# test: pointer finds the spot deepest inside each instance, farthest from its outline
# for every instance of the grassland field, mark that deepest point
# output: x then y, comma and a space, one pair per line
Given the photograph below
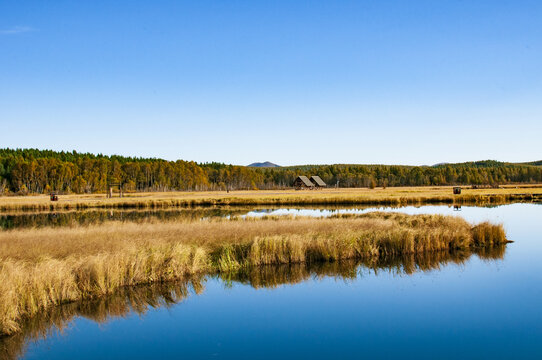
343, 196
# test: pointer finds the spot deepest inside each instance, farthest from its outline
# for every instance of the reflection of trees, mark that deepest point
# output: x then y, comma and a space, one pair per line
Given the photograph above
138, 299
89, 217
77, 218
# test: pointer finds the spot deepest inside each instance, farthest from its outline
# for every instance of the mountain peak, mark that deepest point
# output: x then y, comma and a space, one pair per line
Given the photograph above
263, 164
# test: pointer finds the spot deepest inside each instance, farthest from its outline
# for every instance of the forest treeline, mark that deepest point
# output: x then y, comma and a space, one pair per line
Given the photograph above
25, 171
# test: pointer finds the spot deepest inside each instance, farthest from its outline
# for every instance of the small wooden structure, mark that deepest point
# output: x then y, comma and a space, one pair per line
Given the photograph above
110, 187
457, 190
303, 182
318, 182
53, 196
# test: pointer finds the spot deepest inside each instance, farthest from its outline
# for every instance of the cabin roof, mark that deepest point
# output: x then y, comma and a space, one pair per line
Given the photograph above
305, 180
318, 181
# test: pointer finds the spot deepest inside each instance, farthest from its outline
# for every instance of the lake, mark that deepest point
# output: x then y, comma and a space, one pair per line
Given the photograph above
454, 306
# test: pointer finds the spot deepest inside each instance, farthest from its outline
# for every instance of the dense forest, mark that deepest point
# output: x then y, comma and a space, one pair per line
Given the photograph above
25, 171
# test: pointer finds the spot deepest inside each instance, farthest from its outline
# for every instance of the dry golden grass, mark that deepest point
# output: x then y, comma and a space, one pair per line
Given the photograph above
40, 268
363, 196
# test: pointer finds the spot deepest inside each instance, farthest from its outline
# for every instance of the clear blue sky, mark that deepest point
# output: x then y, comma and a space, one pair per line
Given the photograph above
293, 82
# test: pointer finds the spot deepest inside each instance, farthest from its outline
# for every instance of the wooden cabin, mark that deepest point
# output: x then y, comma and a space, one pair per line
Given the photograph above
303, 182
318, 182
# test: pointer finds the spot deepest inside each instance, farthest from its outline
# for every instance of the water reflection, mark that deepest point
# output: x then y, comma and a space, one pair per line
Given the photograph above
125, 301
272, 276
78, 218
139, 299
88, 217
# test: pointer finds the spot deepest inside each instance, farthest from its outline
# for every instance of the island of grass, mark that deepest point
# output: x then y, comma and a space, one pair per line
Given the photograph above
44, 267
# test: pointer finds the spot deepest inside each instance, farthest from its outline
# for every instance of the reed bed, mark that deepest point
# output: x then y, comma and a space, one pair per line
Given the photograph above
44, 267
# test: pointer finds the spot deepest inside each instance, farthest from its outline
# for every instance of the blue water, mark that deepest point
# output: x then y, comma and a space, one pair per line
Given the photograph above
476, 309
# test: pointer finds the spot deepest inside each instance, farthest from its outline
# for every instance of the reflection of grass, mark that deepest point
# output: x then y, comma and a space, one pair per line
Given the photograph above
389, 196
137, 299
44, 267
118, 304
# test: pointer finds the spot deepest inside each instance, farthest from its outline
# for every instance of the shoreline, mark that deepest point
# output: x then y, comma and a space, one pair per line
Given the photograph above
399, 196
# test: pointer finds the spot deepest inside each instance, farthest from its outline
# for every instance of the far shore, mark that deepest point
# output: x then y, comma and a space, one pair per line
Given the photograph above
394, 196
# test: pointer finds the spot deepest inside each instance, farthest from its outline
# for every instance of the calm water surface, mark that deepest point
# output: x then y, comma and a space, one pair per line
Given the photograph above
466, 307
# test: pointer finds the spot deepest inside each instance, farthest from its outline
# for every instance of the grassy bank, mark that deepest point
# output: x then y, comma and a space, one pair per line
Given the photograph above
44, 267
390, 196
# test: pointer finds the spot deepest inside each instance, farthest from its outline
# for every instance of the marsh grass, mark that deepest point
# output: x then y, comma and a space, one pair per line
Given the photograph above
46, 267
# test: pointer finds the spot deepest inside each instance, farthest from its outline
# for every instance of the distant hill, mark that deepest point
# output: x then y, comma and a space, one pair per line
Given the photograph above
477, 164
263, 164
488, 164
536, 163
